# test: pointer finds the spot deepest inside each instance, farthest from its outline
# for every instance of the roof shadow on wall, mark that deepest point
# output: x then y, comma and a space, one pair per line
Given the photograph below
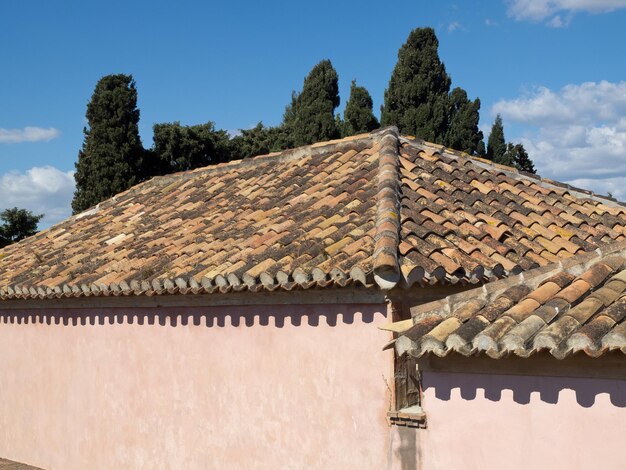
173, 317
525, 389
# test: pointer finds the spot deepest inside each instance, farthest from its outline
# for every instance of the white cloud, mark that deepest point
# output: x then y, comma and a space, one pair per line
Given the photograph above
576, 134
558, 13
614, 186
583, 104
43, 190
558, 22
454, 26
28, 134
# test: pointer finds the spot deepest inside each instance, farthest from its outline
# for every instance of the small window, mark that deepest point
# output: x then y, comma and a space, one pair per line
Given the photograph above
408, 394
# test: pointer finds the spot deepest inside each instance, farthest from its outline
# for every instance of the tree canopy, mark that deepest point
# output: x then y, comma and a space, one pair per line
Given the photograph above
17, 224
259, 140
463, 133
182, 148
310, 117
358, 116
110, 160
496, 144
509, 154
417, 97
517, 154
417, 100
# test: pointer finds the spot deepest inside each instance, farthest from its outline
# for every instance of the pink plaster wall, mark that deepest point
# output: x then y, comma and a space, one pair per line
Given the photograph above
515, 422
254, 387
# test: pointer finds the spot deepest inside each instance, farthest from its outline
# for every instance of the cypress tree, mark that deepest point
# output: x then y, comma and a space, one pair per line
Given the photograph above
261, 139
289, 116
463, 133
496, 145
481, 151
516, 153
339, 123
110, 160
417, 96
285, 132
358, 116
311, 116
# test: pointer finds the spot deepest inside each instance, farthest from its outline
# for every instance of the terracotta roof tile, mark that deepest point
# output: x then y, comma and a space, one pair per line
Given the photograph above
562, 313
377, 207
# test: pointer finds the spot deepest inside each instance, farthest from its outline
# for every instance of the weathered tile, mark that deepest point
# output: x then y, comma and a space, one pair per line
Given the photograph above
560, 316
367, 202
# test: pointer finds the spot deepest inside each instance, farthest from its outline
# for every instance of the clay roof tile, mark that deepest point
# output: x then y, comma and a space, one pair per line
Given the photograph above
552, 314
379, 205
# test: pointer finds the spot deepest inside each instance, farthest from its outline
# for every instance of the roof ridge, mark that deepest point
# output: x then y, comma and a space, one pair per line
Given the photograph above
225, 280
387, 239
315, 149
368, 210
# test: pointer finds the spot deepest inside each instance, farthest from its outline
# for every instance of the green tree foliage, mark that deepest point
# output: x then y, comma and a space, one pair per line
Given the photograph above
289, 116
416, 100
308, 118
17, 224
311, 115
259, 140
358, 116
496, 144
463, 133
110, 160
182, 148
481, 151
499, 151
516, 153
339, 122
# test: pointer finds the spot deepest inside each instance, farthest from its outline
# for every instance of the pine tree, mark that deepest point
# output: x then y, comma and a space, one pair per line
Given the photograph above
110, 160
358, 116
463, 133
417, 97
496, 144
516, 153
182, 148
311, 116
18, 224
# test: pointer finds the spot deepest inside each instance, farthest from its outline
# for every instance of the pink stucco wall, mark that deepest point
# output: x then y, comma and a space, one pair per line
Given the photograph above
226, 387
516, 422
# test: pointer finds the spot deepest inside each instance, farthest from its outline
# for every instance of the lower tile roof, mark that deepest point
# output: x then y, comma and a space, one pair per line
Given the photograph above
578, 305
375, 210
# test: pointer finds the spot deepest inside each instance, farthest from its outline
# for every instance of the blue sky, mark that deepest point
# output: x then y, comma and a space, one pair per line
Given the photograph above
554, 69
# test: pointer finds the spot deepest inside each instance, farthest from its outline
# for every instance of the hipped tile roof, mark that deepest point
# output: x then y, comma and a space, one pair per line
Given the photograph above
374, 210
578, 305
